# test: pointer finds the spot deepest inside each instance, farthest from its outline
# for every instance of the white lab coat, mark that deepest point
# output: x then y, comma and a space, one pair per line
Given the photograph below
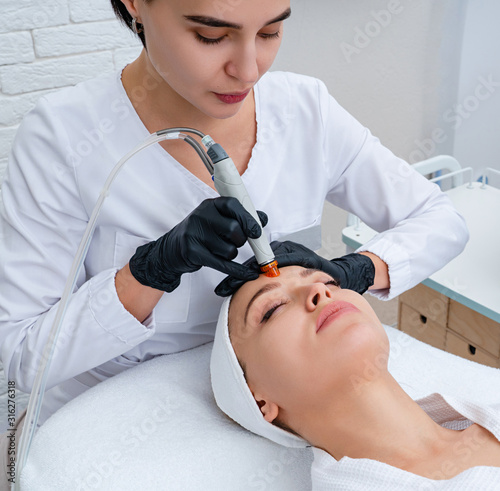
308, 149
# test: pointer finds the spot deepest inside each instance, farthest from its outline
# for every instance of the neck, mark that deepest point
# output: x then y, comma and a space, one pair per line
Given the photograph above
379, 421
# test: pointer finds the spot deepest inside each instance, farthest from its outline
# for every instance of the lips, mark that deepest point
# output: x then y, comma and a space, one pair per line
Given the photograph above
232, 98
333, 311
245, 92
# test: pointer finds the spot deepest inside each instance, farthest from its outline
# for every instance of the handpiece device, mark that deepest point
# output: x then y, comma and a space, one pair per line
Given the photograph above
228, 182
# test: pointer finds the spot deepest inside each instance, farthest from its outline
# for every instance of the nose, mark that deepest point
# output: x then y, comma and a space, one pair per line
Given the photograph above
243, 64
317, 292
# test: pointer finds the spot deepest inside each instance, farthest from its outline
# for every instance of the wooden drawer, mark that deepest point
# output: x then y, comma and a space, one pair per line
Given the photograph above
481, 331
428, 302
459, 346
418, 326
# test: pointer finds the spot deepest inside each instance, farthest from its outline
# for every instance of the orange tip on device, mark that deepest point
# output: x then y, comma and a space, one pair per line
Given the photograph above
271, 270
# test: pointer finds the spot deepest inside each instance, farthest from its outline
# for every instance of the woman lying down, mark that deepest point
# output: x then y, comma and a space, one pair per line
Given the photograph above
290, 362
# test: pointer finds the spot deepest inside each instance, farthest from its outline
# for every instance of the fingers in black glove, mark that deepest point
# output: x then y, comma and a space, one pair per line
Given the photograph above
286, 253
353, 271
209, 236
263, 218
242, 226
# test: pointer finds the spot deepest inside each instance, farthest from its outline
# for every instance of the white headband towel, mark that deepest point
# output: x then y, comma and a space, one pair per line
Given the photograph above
232, 393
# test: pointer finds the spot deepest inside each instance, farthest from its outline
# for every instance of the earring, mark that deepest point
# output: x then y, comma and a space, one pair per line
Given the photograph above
137, 27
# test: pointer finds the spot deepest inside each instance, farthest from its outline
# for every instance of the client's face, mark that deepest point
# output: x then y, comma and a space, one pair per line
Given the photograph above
301, 339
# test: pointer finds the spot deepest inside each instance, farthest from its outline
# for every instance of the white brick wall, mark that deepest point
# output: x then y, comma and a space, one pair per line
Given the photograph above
3, 165
13, 108
53, 73
80, 38
6, 137
24, 15
16, 47
52, 44
90, 10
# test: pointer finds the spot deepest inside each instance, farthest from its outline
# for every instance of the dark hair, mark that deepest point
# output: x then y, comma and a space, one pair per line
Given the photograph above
123, 14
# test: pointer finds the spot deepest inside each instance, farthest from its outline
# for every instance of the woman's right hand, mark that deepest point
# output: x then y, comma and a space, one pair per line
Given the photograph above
209, 236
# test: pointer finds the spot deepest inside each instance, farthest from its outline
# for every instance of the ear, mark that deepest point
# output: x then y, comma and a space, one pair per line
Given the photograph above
269, 409
131, 6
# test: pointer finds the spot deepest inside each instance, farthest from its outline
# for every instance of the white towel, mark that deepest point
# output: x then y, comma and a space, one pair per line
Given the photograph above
157, 427
231, 390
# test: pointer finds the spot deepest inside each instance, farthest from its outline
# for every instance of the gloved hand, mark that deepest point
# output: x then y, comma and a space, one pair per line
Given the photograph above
209, 236
353, 271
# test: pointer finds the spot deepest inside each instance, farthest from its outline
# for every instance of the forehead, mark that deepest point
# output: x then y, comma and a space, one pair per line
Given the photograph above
251, 287
223, 9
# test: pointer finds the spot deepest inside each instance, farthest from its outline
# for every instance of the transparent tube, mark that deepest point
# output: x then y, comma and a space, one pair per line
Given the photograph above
36, 397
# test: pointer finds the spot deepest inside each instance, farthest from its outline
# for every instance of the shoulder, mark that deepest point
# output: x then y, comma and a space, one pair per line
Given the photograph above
90, 91
62, 116
68, 121
77, 106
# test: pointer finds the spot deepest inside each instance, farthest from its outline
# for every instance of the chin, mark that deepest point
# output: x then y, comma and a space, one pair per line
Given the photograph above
226, 111
220, 112
226, 116
364, 341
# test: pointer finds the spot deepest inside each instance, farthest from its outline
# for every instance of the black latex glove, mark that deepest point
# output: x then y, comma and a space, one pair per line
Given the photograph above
209, 236
353, 271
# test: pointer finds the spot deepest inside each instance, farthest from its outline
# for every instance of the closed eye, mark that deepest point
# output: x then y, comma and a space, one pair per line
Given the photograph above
208, 40
271, 311
273, 35
333, 282
213, 41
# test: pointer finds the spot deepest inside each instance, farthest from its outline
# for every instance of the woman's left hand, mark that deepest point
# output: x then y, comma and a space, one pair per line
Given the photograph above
353, 271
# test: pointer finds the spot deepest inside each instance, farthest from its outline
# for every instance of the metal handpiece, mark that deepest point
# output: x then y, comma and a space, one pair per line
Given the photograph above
228, 182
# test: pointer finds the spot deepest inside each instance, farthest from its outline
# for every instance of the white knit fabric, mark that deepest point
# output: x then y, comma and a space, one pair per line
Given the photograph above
361, 474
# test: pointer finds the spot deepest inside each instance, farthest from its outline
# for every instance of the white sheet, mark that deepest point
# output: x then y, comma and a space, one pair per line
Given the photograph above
157, 427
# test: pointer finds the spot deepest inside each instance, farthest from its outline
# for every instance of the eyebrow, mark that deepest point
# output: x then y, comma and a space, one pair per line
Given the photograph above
309, 272
213, 22
272, 286
265, 289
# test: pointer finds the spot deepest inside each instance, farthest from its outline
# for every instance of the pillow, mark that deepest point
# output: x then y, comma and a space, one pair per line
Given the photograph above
157, 427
